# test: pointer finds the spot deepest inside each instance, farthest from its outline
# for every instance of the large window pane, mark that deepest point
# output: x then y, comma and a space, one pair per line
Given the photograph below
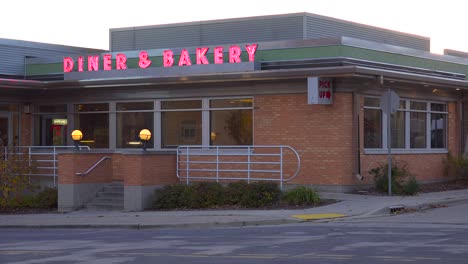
372, 128
129, 126
398, 129
231, 127
438, 130
418, 130
95, 128
181, 128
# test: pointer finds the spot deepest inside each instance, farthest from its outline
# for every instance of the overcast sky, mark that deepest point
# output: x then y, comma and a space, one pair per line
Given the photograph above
86, 23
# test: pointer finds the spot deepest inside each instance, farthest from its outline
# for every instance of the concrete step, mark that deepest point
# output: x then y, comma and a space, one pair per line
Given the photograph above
105, 207
111, 197
110, 194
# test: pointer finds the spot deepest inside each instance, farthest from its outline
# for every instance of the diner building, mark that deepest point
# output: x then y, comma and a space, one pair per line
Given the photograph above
297, 98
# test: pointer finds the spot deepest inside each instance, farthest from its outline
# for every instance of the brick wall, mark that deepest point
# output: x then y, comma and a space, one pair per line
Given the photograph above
25, 135
322, 134
71, 163
146, 169
134, 169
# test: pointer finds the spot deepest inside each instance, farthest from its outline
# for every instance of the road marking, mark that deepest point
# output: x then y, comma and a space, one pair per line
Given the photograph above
19, 252
317, 216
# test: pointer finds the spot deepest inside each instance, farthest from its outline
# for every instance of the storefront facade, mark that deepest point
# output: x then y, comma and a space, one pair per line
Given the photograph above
320, 96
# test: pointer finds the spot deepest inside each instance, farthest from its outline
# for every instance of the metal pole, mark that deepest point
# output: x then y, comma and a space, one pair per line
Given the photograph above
389, 142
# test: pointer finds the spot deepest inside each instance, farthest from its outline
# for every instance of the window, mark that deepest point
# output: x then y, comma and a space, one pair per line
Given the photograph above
416, 125
372, 123
229, 123
93, 121
131, 119
181, 123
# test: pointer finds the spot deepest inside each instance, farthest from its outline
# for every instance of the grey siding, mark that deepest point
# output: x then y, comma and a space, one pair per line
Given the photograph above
14, 52
320, 27
207, 33
255, 29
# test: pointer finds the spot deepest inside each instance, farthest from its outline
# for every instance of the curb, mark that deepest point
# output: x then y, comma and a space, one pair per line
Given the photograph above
157, 226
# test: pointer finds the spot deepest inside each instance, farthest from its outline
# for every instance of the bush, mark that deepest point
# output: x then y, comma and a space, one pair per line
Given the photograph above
402, 181
301, 196
261, 194
169, 196
46, 199
14, 180
212, 194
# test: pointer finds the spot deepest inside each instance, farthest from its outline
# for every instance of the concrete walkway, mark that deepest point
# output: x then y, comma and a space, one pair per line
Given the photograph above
349, 205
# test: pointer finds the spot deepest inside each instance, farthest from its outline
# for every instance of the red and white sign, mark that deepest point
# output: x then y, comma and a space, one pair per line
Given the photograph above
319, 90
168, 57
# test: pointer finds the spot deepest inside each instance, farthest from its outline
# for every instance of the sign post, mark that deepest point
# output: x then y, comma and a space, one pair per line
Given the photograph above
389, 102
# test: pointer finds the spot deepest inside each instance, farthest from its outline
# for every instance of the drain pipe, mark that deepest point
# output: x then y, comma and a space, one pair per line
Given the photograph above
357, 109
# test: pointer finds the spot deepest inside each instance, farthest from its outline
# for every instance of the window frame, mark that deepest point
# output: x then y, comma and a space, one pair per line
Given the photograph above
407, 149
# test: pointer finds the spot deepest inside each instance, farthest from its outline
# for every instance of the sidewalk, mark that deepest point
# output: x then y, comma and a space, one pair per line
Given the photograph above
349, 205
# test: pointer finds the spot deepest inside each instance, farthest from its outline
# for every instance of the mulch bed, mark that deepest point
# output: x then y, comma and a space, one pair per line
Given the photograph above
426, 188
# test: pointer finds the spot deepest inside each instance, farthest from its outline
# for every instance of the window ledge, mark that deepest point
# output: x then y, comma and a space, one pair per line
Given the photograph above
405, 151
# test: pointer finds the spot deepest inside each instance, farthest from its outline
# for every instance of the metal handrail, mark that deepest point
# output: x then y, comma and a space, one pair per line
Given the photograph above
93, 167
241, 151
46, 156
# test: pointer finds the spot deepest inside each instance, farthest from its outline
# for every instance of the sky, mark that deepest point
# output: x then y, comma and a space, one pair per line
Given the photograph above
86, 23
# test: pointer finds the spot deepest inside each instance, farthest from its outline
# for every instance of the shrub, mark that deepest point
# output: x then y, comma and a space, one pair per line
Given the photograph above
169, 196
14, 180
212, 194
235, 193
402, 181
411, 187
260, 194
301, 196
46, 199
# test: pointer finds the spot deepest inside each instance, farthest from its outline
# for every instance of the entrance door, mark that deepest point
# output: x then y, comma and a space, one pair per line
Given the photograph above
4, 130
54, 130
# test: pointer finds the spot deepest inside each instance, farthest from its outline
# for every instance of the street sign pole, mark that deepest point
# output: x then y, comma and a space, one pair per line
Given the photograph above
389, 103
389, 142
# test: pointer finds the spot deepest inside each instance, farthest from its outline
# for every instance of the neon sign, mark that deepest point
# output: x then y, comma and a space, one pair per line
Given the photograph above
168, 58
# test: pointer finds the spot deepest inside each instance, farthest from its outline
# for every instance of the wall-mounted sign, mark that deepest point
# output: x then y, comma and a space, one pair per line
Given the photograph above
319, 90
169, 59
59, 122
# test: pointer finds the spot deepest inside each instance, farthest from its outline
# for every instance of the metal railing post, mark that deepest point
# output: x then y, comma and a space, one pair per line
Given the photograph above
188, 164
248, 164
281, 167
54, 162
217, 163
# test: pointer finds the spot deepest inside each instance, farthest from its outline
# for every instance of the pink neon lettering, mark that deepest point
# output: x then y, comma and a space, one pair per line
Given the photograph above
120, 62
184, 58
80, 63
67, 64
144, 61
251, 49
201, 56
168, 58
107, 62
234, 54
218, 55
93, 63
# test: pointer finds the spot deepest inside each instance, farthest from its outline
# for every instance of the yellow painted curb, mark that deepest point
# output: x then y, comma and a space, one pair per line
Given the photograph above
317, 216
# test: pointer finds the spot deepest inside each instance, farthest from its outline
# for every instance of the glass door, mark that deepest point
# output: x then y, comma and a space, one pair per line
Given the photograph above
54, 130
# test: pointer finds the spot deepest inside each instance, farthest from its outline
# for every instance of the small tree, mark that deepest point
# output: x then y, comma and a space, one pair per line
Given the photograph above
14, 179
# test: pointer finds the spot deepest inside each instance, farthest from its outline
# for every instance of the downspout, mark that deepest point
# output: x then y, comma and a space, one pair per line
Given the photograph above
356, 121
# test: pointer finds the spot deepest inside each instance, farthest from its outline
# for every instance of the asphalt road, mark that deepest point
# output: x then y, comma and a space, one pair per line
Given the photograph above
300, 243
